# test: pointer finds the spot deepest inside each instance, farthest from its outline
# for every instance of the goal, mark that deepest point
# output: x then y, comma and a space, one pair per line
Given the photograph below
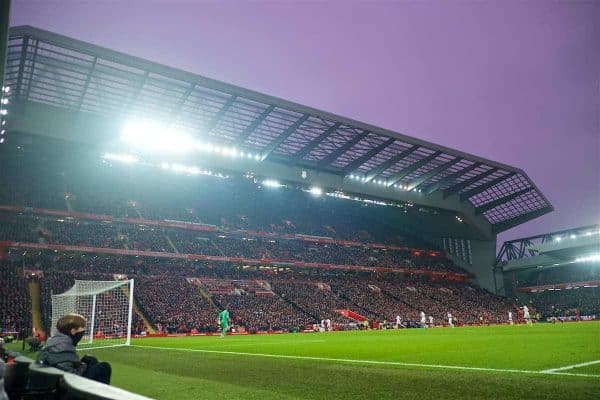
107, 307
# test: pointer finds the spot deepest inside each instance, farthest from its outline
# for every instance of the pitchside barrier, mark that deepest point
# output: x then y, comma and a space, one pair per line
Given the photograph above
27, 379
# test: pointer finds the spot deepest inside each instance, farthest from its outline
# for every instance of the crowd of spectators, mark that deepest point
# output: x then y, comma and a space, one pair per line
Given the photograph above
263, 312
41, 177
270, 298
35, 229
582, 301
315, 298
15, 304
174, 305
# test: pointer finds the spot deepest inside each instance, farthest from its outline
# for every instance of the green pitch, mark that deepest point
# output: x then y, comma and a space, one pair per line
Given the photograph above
500, 362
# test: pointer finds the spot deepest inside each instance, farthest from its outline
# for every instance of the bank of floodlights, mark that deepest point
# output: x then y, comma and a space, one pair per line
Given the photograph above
4, 95
153, 137
383, 182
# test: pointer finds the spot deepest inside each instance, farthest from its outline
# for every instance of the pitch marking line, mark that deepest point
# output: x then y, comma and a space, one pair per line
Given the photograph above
218, 345
585, 364
350, 361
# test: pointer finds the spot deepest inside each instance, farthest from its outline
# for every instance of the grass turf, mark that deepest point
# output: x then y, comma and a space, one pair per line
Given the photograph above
212, 368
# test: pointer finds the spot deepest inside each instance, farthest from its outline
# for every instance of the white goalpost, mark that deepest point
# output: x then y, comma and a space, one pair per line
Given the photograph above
106, 305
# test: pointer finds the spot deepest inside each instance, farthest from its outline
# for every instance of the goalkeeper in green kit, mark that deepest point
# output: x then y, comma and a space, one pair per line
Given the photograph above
224, 322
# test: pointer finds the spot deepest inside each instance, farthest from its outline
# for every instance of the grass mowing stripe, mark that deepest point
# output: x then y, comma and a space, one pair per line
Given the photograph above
585, 364
345, 360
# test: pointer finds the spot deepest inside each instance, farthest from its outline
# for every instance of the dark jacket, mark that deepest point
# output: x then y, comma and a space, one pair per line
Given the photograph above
60, 353
3, 395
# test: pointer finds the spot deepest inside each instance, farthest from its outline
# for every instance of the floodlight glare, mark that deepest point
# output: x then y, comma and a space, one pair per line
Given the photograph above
156, 138
271, 183
124, 158
3, 112
316, 191
590, 258
6, 89
4, 101
1, 140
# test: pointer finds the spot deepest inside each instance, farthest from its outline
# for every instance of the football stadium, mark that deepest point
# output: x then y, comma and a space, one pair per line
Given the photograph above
223, 243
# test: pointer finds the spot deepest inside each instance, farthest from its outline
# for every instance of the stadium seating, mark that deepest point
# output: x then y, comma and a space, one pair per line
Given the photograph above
15, 305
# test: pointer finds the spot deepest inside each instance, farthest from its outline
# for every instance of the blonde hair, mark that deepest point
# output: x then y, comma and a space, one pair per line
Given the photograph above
70, 321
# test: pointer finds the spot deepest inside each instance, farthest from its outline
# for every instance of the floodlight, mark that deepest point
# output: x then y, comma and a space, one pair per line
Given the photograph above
3, 131
316, 191
157, 138
257, 157
573, 236
271, 183
3, 112
6, 89
1, 140
4, 101
557, 239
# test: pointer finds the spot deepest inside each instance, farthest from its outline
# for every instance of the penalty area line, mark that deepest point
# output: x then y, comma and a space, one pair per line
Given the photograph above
369, 362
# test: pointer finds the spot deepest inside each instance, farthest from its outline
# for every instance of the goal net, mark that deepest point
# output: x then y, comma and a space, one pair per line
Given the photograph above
107, 307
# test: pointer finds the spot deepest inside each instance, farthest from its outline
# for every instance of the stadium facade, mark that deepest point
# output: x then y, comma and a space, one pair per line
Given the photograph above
70, 90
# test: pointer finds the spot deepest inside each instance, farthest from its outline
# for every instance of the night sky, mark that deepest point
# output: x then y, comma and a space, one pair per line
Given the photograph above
516, 82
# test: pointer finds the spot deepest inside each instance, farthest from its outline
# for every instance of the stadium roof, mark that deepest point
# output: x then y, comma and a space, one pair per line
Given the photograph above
51, 69
550, 249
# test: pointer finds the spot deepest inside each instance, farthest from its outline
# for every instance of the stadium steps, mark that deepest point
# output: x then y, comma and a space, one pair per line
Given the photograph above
204, 293
123, 238
172, 244
218, 248
69, 204
33, 286
296, 306
349, 301
352, 315
137, 211
138, 311
398, 299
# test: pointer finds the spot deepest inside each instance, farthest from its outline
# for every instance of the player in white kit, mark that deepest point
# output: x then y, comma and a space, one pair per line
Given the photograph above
431, 320
526, 316
450, 321
510, 318
398, 321
423, 320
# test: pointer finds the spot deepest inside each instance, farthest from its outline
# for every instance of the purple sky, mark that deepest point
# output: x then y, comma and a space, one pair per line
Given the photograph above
516, 82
